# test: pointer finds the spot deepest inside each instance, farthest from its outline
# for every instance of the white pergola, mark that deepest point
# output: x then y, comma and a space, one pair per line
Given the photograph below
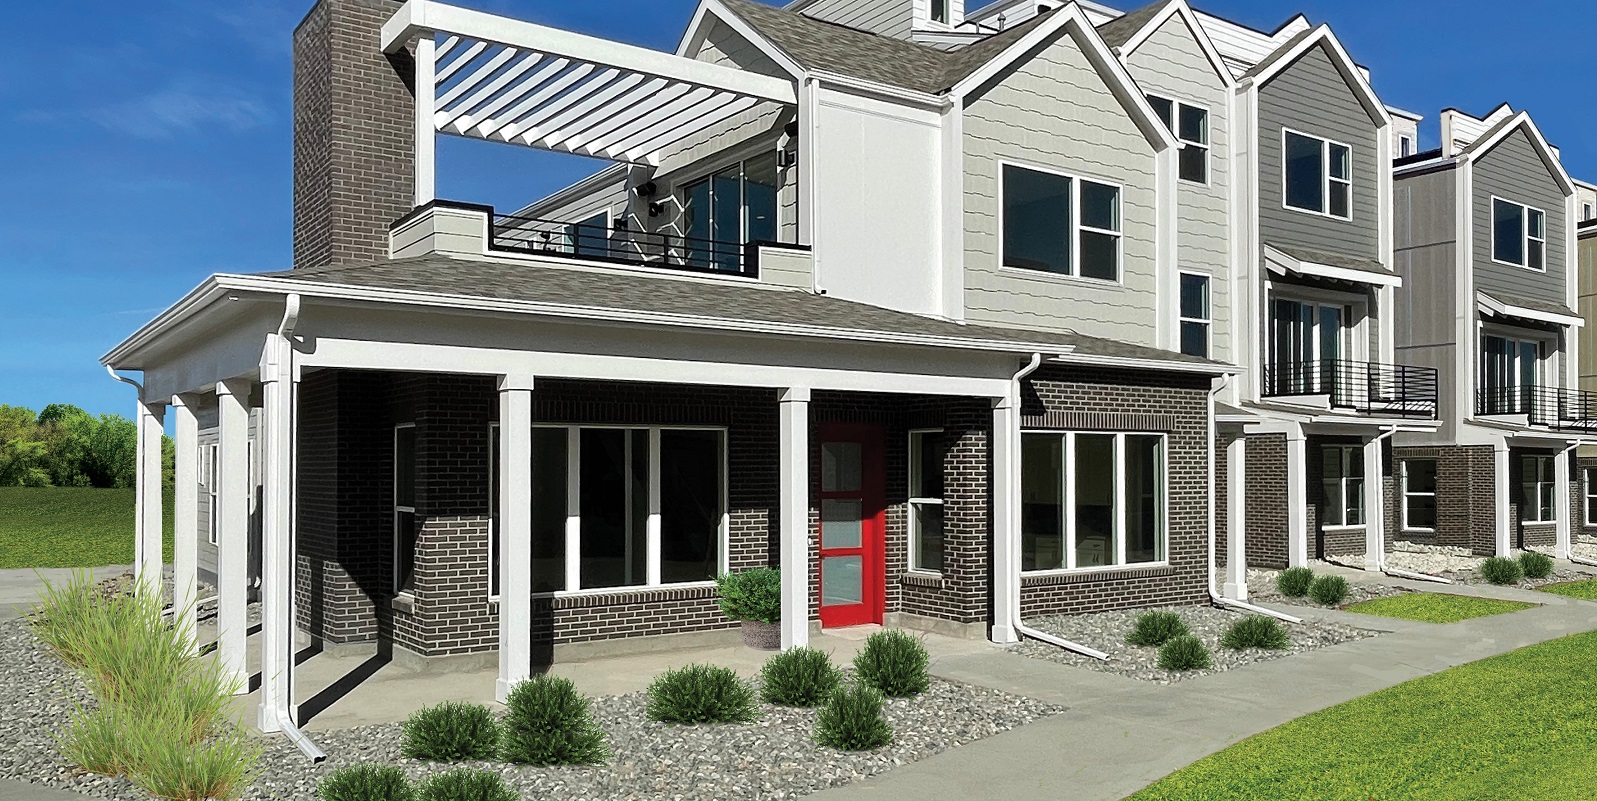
488, 77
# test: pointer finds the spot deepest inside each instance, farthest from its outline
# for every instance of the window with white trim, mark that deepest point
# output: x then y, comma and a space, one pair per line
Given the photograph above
1091, 499
1591, 496
404, 507
1316, 175
1190, 125
1587, 212
1519, 235
939, 11
1405, 146
1536, 489
1342, 479
926, 452
1196, 320
210, 473
1419, 495
1060, 224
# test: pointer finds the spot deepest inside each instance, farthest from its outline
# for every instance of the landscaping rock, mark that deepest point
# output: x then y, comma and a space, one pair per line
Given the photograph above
1261, 589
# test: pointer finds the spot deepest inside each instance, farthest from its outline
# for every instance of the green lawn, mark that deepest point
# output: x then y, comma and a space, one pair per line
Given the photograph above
1429, 607
1585, 590
1522, 725
70, 527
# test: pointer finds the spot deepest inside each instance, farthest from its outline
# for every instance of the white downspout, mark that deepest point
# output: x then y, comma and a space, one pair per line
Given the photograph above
1014, 597
1569, 540
1215, 596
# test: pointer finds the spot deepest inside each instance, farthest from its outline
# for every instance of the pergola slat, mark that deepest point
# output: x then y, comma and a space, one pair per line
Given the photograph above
591, 141
501, 124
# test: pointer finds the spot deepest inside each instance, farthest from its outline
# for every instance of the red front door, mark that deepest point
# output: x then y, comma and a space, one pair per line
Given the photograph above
852, 500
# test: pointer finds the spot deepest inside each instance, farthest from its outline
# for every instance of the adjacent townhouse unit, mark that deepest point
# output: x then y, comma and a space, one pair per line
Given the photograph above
1486, 228
1584, 528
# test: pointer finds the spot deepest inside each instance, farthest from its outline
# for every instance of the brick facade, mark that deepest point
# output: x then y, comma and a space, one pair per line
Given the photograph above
1466, 492
1266, 517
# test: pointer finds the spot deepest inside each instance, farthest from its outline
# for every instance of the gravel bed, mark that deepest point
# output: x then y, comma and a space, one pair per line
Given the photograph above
1261, 588
773, 758
1107, 631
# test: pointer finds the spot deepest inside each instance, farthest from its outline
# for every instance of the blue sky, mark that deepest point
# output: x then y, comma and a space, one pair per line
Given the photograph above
148, 143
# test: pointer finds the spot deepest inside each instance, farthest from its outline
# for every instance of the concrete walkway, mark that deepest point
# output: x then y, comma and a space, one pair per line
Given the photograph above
19, 589
1119, 734
12, 790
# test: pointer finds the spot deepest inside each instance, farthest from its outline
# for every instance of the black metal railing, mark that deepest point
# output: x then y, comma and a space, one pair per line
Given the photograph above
621, 245
1370, 387
1563, 409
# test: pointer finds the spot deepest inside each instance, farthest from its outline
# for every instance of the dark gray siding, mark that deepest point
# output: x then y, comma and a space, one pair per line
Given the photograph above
1513, 171
1424, 251
1312, 97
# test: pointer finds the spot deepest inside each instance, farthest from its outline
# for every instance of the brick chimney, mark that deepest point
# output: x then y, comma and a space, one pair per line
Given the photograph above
353, 134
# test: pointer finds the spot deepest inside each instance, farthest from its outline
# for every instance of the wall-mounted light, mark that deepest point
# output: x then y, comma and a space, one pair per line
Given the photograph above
646, 189
656, 209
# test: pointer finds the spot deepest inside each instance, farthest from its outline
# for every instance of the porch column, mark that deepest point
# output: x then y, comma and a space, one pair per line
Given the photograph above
1297, 497
277, 531
1562, 524
1236, 519
185, 516
426, 141
233, 528
515, 532
147, 558
1006, 518
793, 421
1500, 490
1374, 506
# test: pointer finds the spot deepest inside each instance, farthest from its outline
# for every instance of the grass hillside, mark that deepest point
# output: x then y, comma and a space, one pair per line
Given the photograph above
70, 527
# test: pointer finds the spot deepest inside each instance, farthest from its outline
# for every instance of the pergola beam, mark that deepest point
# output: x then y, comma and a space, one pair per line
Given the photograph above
468, 113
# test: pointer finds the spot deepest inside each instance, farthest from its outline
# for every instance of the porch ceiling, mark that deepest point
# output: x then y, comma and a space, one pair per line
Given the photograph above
517, 82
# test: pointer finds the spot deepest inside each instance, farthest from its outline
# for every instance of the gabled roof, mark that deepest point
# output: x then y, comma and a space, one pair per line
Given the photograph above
1127, 33
819, 45
1495, 135
1119, 30
1296, 47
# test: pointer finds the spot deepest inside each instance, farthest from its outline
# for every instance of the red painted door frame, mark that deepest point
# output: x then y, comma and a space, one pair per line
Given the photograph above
872, 550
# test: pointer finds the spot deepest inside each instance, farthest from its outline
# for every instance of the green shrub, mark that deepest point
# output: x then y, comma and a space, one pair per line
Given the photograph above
450, 732
852, 720
894, 662
751, 595
1185, 652
1328, 590
465, 784
547, 722
1294, 581
798, 677
366, 782
1156, 628
221, 766
1501, 570
701, 694
1256, 631
1535, 565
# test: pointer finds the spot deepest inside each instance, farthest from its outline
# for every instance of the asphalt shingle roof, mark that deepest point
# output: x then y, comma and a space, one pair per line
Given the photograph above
1549, 307
1118, 31
1332, 259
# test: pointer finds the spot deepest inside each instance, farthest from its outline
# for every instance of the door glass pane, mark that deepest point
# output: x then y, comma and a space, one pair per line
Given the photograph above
842, 580
591, 236
929, 537
690, 505
841, 467
1529, 358
728, 214
1508, 232
1144, 483
1095, 500
759, 198
840, 523
1042, 482
1304, 163
609, 538
1036, 220
696, 223
549, 481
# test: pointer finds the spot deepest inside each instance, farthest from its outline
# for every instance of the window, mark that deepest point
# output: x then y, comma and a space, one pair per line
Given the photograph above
1586, 211
926, 452
1405, 146
1419, 495
404, 507
1591, 496
940, 11
1343, 482
627, 494
1041, 232
1195, 320
1317, 175
590, 237
1091, 500
735, 206
1519, 235
211, 472
1190, 124
1510, 370
1307, 341
1536, 489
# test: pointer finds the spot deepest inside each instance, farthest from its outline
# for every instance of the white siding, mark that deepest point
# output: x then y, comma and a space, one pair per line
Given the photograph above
886, 17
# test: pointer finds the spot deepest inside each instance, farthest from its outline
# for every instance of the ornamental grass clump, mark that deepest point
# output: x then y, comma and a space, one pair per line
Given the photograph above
701, 694
1185, 652
751, 595
450, 732
366, 782
800, 677
465, 784
1535, 565
1156, 628
852, 720
1501, 570
547, 722
894, 662
1294, 582
1256, 631
1328, 590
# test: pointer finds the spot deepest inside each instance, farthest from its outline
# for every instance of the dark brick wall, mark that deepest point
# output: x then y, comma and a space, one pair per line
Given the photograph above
1577, 496
1266, 502
1337, 541
353, 138
1466, 506
1523, 533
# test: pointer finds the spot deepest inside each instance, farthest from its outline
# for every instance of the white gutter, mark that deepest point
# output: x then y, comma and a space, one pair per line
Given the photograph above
1014, 599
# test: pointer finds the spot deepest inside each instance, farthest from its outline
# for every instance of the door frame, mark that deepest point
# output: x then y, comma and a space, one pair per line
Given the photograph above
873, 523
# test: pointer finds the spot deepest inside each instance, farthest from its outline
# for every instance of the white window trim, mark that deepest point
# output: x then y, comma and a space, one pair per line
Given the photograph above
1406, 493
1402, 140
1208, 322
1174, 126
1587, 494
1546, 352
212, 469
1552, 480
1325, 176
1364, 496
911, 503
399, 510
1068, 501
1353, 305
1076, 227
1524, 234
1587, 211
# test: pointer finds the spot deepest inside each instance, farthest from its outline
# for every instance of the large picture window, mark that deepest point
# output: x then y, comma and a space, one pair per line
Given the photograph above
1317, 175
1190, 124
1519, 235
1342, 479
1419, 495
404, 507
1536, 489
926, 450
1059, 224
1091, 500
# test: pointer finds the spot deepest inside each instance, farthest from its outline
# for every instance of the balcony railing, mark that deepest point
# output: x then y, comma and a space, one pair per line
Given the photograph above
622, 246
1561, 409
1368, 387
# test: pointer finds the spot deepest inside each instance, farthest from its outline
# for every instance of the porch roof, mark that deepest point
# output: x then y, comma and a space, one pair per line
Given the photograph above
1335, 266
1498, 304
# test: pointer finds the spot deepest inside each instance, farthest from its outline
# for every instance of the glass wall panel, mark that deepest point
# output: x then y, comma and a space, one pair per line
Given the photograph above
1042, 486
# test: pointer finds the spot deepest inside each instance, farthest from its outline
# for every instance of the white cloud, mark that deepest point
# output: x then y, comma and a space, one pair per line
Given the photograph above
178, 109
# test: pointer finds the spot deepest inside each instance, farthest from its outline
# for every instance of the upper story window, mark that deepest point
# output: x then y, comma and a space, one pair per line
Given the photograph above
1317, 175
1059, 224
1586, 211
1190, 124
1519, 235
734, 206
940, 11
1196, 318
1405, 146
590, 237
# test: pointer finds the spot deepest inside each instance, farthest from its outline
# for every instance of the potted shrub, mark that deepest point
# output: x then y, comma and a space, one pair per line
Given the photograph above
755, 598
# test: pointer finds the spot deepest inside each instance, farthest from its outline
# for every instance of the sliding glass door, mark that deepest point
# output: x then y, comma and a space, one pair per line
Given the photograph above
1510, 371
1307, 340
727, 209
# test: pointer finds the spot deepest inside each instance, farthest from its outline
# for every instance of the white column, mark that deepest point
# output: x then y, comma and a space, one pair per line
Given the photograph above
277, 531
793, 420
1562, 525
515, 532
1236, 519
1500, 485
147, 559
233, 527
185, 515
1006, 518
1297, 498
1374, 506
426, 137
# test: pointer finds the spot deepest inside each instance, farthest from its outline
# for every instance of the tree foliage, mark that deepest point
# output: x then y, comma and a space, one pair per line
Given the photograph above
65, 446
